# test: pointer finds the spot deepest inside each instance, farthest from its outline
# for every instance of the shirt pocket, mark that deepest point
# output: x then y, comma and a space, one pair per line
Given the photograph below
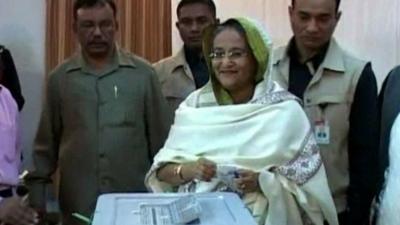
118, 113
122, 106
175, 95
78, 108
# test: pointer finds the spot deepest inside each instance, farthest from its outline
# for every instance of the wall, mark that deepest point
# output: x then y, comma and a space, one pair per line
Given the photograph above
368, 28
22, 30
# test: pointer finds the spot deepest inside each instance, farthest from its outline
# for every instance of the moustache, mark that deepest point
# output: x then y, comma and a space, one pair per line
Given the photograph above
97, 42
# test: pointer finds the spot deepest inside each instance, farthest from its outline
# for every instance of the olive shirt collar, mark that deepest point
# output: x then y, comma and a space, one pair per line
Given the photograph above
119, 59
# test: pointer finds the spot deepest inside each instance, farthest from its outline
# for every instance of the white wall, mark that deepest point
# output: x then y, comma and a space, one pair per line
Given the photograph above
22, 30
368, 28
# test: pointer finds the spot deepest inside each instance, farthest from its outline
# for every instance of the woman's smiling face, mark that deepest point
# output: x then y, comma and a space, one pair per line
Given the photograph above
233, 62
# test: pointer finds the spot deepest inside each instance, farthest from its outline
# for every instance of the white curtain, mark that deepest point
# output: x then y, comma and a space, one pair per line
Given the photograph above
368, 28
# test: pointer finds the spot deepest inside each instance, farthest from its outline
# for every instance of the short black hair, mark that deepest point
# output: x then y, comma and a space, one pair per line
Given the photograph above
209, 3
90, 3
337, 4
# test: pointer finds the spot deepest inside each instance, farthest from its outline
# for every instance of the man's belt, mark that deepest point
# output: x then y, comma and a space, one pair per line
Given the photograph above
6, 193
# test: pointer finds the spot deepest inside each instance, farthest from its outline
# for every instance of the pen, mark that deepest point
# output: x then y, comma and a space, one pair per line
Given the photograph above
82, 218
115, 91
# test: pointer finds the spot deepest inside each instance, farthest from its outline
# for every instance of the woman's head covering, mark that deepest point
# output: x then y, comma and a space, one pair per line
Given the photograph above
260, 46
10, 77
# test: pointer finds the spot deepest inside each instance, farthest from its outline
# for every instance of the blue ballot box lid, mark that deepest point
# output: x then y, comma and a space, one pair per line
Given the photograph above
217, 208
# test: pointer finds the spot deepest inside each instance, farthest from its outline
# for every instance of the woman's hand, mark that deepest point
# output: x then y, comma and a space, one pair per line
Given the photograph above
247, 181
203, 169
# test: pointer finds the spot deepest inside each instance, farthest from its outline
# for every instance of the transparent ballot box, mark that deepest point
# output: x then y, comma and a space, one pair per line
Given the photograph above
217, 208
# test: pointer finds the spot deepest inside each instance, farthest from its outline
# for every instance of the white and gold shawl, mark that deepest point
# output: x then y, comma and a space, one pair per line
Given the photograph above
270, 135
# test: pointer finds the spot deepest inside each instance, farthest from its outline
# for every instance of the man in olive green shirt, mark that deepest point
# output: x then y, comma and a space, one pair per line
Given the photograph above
103, 119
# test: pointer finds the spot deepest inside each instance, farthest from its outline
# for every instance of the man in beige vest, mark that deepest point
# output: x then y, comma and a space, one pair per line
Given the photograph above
187, 71
339, 93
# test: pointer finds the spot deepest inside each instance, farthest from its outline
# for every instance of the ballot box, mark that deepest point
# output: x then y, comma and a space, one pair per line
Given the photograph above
216, 208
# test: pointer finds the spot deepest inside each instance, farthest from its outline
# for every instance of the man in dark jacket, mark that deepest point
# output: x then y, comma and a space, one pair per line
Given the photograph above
389, 110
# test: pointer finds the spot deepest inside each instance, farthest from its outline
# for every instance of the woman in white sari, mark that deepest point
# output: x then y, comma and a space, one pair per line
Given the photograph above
243, 120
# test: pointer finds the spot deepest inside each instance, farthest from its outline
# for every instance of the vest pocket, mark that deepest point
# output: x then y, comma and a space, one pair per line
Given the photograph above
325, 99
334, 111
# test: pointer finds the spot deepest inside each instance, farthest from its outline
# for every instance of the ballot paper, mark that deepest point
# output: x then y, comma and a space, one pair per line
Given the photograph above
181, 211
227, 175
